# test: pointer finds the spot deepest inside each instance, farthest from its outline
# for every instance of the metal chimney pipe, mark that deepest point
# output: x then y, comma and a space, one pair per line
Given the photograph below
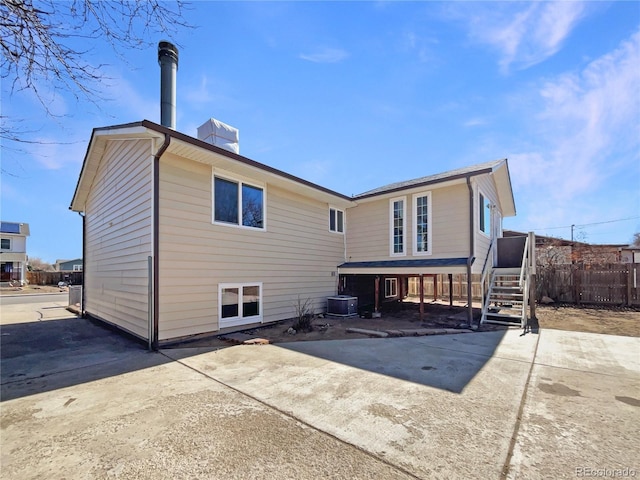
168, 60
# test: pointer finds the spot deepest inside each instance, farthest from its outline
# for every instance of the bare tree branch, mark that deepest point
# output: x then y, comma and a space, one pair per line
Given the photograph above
49, 43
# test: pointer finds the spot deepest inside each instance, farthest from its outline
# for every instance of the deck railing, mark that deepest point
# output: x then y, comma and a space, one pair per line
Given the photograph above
487, 268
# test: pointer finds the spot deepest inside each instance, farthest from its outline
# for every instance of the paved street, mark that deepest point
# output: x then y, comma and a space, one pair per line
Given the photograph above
46, 299
79, 401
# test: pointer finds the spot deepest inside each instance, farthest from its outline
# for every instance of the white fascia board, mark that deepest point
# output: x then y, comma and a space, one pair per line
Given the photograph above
217, 160
411, 190
96, 149
505, 192
402, 270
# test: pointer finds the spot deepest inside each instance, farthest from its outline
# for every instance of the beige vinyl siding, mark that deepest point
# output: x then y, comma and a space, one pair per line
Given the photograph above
451, 222
118, 236
18, 243
483, 184
368, 233
295, 255
368, 226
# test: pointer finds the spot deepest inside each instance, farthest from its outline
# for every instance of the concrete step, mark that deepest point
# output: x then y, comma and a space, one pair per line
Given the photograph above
504, 316
507, 271
502, 322
505, 306
506, 293
505, 299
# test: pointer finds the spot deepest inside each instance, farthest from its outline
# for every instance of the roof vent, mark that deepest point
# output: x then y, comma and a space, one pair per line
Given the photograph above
220, 134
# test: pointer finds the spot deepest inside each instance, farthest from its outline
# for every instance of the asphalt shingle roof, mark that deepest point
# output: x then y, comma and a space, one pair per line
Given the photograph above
439, 177
422, 262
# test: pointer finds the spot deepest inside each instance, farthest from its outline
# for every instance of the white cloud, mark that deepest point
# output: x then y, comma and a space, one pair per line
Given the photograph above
314, 170
52, 154
475, 122
586, 136
421, 46
526, 36
202, 93
45, 95
209, 95
129, 102
325, 55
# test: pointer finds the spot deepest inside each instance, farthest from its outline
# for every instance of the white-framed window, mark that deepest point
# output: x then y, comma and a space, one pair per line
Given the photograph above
484, 214
336, 220
390, 287
397, 227
422, 230
5, 243
239, 303
238, 203
77, 268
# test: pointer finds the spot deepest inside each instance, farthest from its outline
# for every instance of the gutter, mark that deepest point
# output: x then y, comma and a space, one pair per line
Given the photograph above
471, 254
155, 247
84, 256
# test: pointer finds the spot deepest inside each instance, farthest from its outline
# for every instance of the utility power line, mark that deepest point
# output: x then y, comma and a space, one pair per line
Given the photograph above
589, 224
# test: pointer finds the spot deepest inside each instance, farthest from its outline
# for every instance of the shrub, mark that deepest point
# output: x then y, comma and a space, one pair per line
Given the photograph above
304, 315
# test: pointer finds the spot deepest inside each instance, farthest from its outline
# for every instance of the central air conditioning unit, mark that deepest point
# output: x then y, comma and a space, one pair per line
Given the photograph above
342, 306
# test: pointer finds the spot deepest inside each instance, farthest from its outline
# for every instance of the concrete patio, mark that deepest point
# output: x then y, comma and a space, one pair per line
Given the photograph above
94, 404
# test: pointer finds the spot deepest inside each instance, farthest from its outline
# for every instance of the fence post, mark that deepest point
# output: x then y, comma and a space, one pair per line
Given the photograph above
532, 271
629, 280
451, 290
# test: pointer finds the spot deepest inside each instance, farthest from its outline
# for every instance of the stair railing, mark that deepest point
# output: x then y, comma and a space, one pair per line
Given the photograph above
524, 281
525, 264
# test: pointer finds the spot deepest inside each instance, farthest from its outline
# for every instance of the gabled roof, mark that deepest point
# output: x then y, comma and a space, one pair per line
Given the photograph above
200, 151
499, 168
190, 147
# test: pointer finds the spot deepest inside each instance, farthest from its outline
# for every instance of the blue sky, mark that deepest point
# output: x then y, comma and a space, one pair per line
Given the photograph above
355, 95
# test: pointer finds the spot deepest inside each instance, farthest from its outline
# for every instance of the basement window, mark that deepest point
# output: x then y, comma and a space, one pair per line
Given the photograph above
239, 304
390, 287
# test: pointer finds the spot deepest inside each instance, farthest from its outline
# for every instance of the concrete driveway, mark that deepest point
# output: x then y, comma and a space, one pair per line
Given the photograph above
84, 402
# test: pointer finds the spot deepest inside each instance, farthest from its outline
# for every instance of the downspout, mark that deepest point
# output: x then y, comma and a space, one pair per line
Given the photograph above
84, 264
471, 258
155, 247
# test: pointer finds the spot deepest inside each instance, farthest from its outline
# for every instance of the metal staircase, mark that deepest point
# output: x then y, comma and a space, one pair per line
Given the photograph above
506, 288
505, 303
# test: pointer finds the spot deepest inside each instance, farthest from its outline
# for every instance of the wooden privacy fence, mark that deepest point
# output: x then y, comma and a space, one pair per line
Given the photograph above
440, 286
52, 278
612, 284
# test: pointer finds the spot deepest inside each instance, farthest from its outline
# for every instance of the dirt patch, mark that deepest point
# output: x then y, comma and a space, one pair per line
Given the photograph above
612, 321
439, 315
402, 317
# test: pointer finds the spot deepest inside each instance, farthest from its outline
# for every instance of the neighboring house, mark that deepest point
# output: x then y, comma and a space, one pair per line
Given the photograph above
74, 265
557, 251
13, 251
630, 254
182, 237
